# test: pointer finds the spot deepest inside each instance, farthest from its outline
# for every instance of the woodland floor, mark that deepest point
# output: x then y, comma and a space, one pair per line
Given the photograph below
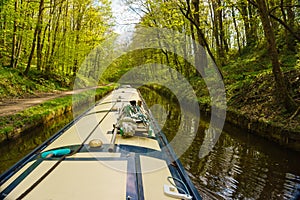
256, 100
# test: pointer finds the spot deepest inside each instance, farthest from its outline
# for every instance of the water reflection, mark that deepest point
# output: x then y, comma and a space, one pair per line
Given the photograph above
239, 166
14, 150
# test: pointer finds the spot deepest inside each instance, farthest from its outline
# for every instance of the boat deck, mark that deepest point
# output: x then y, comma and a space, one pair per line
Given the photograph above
137, 168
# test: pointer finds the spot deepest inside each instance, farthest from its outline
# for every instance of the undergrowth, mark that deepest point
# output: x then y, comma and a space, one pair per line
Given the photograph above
250, 87
13, 84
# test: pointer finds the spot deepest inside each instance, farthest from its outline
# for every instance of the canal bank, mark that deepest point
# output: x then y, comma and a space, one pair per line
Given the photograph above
14, 125
288, 137
21, 122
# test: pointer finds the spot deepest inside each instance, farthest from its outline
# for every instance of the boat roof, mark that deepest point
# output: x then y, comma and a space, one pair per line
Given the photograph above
139, 167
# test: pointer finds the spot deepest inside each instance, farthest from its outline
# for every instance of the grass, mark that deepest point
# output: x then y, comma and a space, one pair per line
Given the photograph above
45, 111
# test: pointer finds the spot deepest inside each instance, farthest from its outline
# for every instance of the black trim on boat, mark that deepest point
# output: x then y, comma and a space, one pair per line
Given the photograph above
20, 178
176, 168
132, 180
139, 177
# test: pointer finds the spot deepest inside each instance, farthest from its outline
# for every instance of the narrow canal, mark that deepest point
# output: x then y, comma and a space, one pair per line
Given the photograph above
240, 166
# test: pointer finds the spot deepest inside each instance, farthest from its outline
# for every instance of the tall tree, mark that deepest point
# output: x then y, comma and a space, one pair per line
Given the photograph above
236, 28
39, 46
37, 31
289, 18
282, 92
14, 38
248, 18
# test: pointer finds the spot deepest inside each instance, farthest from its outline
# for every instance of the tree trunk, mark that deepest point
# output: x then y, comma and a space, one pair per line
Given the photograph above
200, 60
245, 15
282, 93
39, 46
185, 54
195, 47
53, 48
41, 8
224, 45
18, 49
216, 34
200, 34
64, 38
290, 40
236, 29
253, 25
47, 56
14, 39
2, 31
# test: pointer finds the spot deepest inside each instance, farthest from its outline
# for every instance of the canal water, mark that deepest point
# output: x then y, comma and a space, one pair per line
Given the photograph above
239, 166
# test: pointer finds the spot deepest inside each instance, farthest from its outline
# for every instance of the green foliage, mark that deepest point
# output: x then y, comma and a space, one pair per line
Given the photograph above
288, 60
68, 31
6, 130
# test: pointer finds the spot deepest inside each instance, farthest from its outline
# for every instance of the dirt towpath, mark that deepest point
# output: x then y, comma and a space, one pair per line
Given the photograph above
12, 106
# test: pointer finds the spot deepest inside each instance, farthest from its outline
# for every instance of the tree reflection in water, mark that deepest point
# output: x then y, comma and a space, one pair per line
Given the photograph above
239, 166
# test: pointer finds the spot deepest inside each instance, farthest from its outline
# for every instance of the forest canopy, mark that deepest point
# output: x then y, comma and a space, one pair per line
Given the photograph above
243, 37
53, 36
254, 36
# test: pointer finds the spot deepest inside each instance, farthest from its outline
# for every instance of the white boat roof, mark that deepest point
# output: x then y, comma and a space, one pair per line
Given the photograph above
137, 169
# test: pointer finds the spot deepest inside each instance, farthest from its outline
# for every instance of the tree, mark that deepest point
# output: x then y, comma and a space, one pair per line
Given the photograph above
64, 33
247, 15
14, 41
37, 32
202, 40
282, 92
236, 28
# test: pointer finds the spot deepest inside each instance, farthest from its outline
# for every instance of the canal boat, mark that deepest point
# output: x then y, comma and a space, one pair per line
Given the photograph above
114, 150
